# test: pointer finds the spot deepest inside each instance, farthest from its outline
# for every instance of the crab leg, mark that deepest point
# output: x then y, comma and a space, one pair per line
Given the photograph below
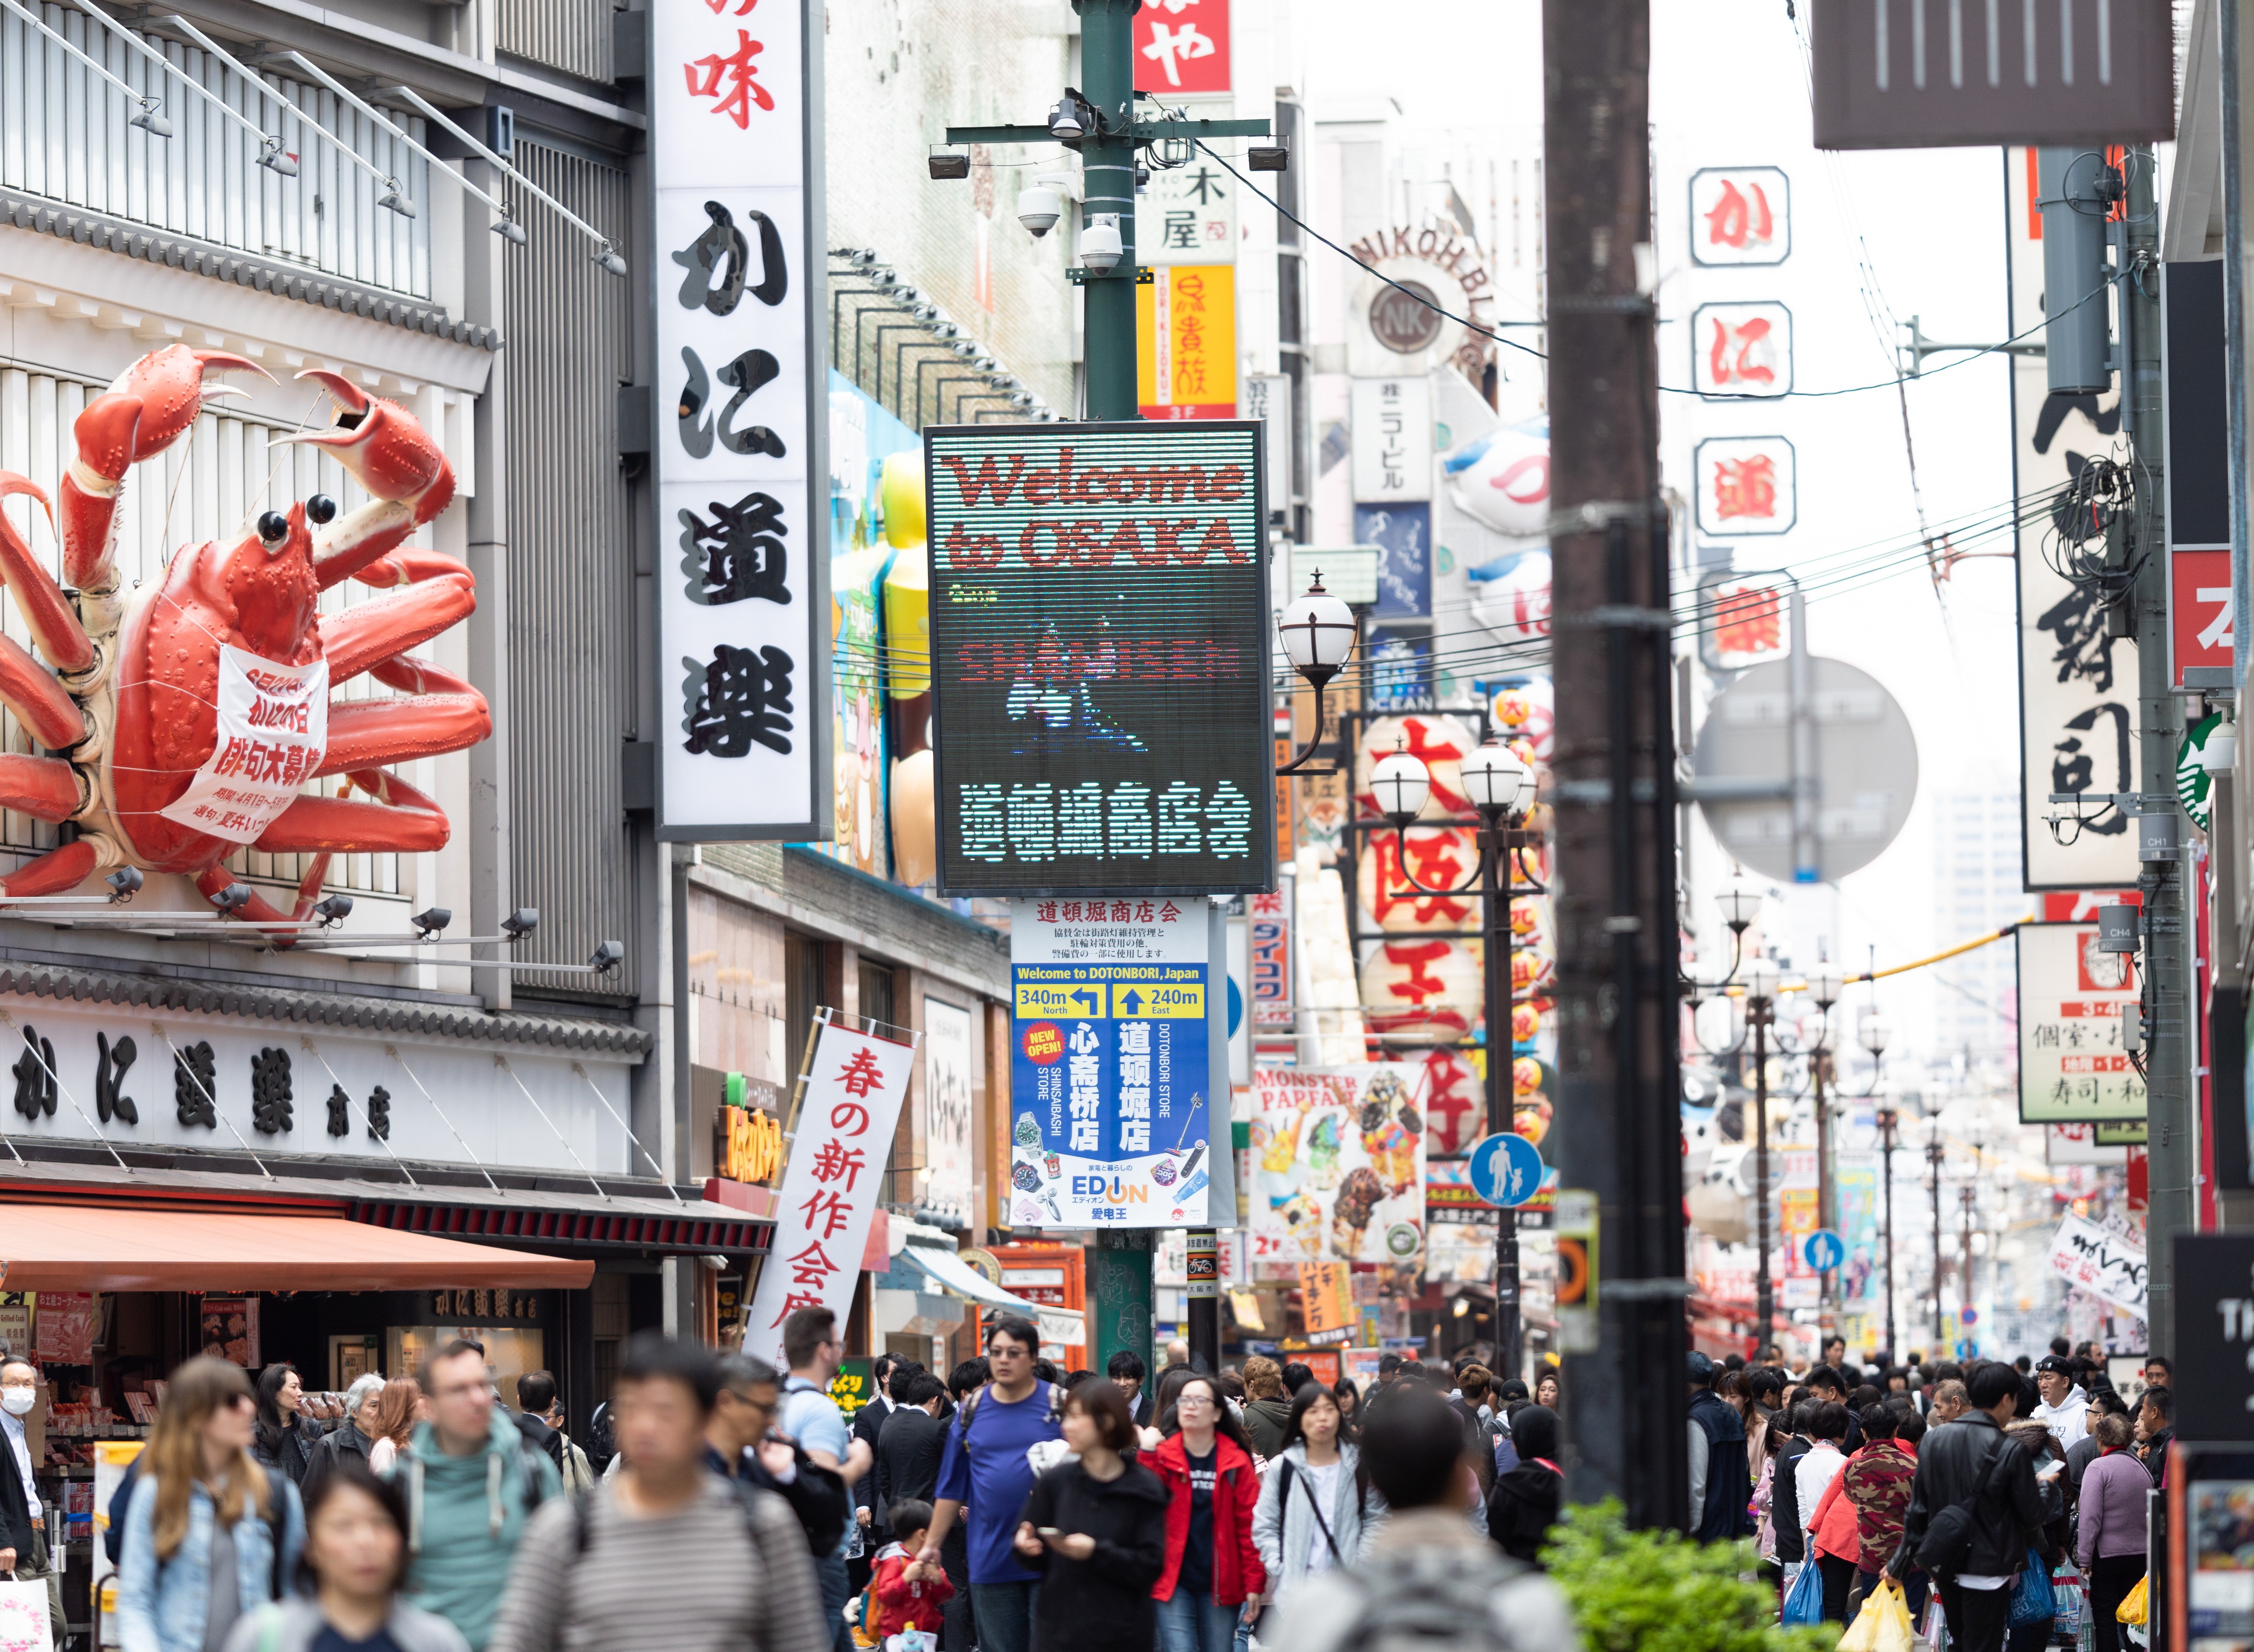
410, 566
54, 626
361, 637
57, 872
41, 704
45, 788
150, 407
401, 820
259, 910
365, 732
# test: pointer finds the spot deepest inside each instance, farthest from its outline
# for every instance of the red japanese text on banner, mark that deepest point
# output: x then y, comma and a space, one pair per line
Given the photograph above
833, 1185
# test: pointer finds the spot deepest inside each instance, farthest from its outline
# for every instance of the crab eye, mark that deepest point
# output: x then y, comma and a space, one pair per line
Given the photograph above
320, 509
273, 529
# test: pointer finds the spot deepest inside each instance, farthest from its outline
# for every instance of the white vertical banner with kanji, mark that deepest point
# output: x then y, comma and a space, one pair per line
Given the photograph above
854, 1088
736, 276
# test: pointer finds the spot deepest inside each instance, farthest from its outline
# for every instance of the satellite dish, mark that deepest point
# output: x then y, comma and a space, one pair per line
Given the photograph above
1865, 769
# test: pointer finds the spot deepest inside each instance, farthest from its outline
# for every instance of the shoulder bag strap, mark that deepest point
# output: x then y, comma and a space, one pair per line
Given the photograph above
1315, 1503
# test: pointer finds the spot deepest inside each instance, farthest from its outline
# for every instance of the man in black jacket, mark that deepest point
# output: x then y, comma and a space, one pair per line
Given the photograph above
868, 1508
1784, 1488
737, 1445
908, 1450
1976, 1503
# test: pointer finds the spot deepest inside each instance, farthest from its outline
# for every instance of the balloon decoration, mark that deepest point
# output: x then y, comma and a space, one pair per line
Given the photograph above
1510, 595
1501, 481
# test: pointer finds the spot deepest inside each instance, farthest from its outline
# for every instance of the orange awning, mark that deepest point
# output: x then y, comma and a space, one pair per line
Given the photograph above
78, 1247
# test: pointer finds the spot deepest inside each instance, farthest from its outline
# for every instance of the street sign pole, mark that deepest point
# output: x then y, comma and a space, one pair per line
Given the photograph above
1501, 1047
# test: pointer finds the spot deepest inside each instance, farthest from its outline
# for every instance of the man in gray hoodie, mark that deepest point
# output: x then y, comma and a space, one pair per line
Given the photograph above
472, 1482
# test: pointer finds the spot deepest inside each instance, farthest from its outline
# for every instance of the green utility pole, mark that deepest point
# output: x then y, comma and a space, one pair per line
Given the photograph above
2167, 928
1107, 160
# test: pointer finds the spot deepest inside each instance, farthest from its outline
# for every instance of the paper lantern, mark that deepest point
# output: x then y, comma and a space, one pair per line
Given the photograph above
1442, 857
1421, 992
1526, 708
1525, 1023
1455, 1103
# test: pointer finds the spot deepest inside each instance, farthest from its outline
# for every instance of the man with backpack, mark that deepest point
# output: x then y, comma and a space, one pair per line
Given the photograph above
1427, 1577
1974, 1508
472, 1483
1721, 1485
666, 1553
812, 1420
985, 1477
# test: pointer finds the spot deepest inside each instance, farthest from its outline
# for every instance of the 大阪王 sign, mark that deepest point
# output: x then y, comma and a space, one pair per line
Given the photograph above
1110, 1078
1100, 638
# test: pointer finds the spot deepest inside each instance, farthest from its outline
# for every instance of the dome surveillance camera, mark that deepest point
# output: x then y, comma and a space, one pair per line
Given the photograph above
1038, 207
1101, 249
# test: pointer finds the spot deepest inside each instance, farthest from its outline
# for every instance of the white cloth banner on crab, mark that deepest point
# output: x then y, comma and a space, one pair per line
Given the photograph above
273, 731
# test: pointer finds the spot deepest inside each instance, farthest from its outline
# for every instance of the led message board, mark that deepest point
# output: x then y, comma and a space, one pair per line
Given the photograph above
1101, 640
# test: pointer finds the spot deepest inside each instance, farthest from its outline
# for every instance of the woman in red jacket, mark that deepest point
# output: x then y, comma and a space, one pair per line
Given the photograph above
1212, 1574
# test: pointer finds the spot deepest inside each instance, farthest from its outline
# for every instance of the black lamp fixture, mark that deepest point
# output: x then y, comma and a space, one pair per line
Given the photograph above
1318, 632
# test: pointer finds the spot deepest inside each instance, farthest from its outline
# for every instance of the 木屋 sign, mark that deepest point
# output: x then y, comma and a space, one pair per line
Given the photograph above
1101, 640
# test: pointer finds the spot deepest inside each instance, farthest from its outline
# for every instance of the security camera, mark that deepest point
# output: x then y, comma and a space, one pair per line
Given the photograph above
234, 895
1101, 249
334, 910
521, 922
433, 919
1038, 207
127, 880
608, 956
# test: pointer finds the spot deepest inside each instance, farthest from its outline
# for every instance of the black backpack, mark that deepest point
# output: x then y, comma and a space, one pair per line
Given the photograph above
1947, 1536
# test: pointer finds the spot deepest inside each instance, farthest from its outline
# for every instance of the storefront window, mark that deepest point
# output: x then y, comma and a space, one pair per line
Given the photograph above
509, 1352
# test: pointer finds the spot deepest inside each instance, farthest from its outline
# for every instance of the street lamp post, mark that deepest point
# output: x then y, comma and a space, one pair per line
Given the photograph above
1760, 1010
1318, 633
1501, 788
1935, 1152
1824, 984
1889, 1120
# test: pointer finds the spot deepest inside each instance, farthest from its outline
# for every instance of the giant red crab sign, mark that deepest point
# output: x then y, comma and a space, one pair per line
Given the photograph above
140, 684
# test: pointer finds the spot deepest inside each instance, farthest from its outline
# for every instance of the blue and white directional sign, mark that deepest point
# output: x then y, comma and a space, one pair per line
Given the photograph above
1824, 1249
1506, 1170
1110, 1078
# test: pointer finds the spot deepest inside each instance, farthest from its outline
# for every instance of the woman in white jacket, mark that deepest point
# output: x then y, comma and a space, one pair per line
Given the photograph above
1314, 1514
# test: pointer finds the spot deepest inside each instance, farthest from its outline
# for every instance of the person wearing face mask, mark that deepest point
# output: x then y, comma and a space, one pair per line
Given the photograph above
23, 1530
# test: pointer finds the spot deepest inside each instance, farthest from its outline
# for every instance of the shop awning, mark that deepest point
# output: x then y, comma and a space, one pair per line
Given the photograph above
75, 1247
957, 1277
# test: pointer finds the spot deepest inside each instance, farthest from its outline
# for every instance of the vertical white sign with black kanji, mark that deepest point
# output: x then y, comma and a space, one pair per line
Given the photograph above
743, 559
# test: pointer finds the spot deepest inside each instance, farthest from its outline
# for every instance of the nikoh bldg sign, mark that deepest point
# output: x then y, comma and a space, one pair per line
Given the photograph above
1100, 642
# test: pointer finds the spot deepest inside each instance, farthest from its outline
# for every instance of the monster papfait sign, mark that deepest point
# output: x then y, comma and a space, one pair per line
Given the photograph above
191, 710
1338, 1163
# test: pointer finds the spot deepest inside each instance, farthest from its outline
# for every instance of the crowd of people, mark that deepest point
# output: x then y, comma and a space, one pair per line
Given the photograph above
1986, 1484
1012, 1508
1008, 1508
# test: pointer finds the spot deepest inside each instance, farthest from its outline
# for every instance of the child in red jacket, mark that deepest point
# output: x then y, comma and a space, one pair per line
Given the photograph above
909, 1594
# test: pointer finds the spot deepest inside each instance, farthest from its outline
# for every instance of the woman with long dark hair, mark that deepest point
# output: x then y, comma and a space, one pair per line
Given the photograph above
1524, 1505
1349, 1405
1213, 1573
208, 1533
1312, 1505
349, 1577
285, 1434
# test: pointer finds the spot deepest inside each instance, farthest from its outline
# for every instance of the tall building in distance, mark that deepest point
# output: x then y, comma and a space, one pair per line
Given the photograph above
1977, 877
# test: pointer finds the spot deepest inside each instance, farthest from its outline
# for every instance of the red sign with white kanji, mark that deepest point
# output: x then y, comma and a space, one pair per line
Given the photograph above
2199, 615
831, 1191
1181, 46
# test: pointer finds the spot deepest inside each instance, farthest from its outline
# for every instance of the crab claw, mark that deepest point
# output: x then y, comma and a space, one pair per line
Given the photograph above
384, 446
169, 384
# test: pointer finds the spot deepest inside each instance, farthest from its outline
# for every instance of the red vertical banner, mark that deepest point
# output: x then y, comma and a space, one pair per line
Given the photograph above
1182, 45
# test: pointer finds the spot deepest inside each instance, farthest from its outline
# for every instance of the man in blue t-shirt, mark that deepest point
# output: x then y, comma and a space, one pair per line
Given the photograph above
984, 1470
811, 1345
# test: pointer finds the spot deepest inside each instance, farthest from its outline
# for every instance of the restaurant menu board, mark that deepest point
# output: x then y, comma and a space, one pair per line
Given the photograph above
2073, 1067
1338, 1163
1100, 638
63, 1330
1110, 1076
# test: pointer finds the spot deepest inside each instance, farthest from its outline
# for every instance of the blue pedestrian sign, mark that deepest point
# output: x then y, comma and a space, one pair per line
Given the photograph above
1825, 1250
1505, 1169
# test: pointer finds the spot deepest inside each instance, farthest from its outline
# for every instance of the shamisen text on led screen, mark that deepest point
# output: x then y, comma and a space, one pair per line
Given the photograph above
1100, 633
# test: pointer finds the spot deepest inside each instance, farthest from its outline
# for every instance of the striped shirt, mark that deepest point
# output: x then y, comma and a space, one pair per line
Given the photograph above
711, 1579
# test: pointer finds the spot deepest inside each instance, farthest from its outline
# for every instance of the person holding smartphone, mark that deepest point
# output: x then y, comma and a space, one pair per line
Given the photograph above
1095, 1531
